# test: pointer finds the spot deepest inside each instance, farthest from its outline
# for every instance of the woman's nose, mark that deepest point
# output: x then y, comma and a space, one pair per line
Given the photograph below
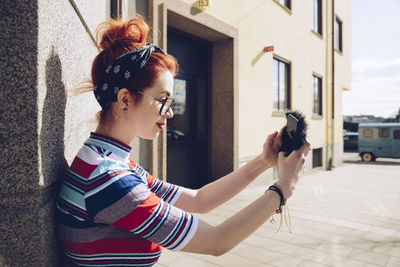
169, 114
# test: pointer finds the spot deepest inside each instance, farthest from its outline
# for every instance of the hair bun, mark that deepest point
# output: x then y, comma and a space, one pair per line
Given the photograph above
122, 34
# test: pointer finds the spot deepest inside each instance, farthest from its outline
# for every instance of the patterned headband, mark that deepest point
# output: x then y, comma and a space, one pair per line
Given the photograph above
121, 72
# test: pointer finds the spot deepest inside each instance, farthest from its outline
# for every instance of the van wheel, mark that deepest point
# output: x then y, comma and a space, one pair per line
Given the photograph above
367, 157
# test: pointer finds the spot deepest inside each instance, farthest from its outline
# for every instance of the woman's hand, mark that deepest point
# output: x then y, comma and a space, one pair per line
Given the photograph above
271, 148
291, 168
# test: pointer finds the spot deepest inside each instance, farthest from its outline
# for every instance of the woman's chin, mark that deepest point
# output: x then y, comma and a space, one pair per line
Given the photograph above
151, 136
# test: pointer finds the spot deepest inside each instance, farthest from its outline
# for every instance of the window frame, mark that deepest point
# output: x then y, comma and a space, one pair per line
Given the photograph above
364, 135
287, 97
317, 17
286, 4
384, 132
317, 77
116, 9
317, 157
396, 134
338, 34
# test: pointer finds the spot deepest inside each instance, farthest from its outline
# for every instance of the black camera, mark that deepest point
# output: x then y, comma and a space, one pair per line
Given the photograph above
295, 132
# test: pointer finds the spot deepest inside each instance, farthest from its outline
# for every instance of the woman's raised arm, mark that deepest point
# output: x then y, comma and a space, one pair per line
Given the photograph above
218, 192
216, 240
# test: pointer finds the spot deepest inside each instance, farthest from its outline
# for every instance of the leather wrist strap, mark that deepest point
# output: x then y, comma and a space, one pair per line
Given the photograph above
279, 192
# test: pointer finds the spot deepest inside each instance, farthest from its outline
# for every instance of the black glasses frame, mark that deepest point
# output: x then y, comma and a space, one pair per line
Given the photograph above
163, 102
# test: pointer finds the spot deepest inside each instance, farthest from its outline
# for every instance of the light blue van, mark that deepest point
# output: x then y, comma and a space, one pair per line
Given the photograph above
378, 140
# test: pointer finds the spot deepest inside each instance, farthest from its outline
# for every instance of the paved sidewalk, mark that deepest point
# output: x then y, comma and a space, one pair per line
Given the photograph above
349, 216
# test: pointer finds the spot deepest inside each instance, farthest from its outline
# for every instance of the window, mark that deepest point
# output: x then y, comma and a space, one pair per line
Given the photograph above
384, 132
116, 9
317, 16
285, 3
317, 95
396, 134
338, 34
281, 85
317, 157
367, 133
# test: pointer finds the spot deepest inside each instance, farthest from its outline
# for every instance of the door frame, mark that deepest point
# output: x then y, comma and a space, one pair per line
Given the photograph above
223, 83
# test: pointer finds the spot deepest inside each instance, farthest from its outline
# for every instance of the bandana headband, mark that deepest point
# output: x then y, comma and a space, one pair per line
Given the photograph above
119, 74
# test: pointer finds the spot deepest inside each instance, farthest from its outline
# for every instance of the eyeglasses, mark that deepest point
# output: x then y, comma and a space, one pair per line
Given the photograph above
167, 103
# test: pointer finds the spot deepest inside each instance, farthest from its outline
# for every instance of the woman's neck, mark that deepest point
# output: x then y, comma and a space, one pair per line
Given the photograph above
114, 131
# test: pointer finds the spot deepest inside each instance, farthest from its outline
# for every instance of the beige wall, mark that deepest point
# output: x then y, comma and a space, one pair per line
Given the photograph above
265, 22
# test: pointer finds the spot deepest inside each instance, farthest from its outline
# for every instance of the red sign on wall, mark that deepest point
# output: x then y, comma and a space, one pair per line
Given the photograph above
269, 49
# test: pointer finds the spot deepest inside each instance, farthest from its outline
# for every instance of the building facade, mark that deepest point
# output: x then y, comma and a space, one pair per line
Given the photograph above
243, 64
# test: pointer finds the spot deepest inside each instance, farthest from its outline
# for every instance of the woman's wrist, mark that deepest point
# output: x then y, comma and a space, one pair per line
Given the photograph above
265, 163
285, 188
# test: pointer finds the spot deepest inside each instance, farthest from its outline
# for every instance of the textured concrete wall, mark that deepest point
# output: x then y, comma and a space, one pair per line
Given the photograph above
45, 53
22, 202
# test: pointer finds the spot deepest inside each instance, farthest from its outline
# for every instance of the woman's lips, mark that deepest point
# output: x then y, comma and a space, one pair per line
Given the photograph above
161, 125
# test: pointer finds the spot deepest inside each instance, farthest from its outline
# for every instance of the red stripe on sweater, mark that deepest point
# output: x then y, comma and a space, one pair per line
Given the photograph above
140, 214
82, 168
112, 245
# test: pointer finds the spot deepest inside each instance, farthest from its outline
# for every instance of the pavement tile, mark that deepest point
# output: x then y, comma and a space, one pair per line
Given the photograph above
266, 255
315, 233
310, 254
386, 231
297, 220
371, 265
305, 241
184, 260
310, 264
258, 241
339, 261
393, 262
387, 249
378, 238
334, 248
357, 243
351, 232
233, 260
369, 256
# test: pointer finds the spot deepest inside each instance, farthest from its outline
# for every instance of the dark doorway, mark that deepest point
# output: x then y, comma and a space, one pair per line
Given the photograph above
187, 131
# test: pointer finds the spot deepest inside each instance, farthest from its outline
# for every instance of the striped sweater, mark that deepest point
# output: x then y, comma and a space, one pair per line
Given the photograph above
111, 212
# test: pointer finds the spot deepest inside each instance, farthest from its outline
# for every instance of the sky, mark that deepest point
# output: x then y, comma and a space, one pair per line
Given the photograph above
375, 87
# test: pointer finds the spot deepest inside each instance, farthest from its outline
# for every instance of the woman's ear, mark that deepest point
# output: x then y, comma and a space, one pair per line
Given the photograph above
123, 98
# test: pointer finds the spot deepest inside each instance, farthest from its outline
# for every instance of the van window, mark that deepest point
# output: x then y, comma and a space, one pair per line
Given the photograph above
384, 132
396, 134
367, 133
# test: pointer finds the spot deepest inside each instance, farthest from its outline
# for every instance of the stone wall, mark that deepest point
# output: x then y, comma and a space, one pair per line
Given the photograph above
45, 53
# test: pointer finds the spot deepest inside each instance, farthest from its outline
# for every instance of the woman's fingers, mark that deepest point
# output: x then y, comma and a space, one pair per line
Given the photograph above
278, 138
271, 137
305, 148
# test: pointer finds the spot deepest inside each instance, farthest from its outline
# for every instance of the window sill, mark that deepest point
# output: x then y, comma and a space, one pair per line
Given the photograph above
317, 34
289, 11
339, 52
317, 117
277, 113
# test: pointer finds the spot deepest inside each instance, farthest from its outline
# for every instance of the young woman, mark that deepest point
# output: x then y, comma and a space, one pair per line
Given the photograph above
110, 211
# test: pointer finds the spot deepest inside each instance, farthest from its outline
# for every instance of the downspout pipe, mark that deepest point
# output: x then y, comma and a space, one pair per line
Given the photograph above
332, 159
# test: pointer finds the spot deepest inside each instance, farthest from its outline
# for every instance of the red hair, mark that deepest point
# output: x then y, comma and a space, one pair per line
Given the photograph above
116, 37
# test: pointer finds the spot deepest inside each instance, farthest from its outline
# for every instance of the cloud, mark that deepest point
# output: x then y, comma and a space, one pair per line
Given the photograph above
369, 66
375, 88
